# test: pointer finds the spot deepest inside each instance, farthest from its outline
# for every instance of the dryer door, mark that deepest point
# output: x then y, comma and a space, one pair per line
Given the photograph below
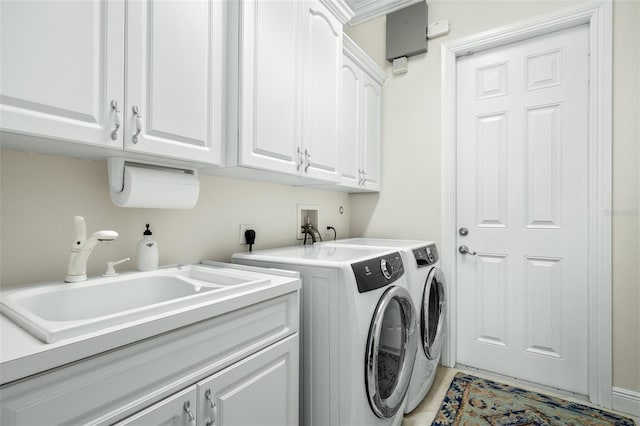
391, 351
434, 306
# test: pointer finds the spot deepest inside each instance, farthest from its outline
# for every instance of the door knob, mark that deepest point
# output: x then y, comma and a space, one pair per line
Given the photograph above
465, 250
463, 231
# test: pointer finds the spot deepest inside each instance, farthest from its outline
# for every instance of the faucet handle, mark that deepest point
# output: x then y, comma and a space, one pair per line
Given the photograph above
110, 272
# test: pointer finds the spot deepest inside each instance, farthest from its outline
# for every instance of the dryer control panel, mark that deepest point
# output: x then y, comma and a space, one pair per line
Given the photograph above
378, 272
426, 256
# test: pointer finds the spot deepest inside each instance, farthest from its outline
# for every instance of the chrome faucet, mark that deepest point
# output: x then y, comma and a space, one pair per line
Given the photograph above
81, 249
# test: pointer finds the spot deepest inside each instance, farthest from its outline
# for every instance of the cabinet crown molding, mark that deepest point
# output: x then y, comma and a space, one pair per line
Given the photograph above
356, 54
340, 10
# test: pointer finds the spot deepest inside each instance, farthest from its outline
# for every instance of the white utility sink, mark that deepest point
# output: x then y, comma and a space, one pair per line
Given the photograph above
55, 311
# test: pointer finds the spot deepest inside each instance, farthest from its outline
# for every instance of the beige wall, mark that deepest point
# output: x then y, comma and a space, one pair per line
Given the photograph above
41, 194
411, 160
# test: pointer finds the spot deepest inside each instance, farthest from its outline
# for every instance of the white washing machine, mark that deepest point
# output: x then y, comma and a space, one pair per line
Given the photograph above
427, 288
359, 328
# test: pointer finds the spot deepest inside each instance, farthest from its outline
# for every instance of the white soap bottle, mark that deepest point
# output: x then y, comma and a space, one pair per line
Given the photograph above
147, 250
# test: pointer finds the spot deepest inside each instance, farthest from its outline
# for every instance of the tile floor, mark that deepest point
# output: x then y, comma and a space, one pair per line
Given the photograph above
424, 413
428, 408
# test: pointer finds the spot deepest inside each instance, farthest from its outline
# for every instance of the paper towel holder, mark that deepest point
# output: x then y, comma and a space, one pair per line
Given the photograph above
116, 166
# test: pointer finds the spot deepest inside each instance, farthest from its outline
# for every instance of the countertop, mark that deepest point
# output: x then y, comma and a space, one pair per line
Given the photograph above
22, 355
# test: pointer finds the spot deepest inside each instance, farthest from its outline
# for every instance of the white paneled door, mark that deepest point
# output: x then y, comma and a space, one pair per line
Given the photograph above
522, 201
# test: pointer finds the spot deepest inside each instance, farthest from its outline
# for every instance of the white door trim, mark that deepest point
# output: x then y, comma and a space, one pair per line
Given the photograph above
598, 15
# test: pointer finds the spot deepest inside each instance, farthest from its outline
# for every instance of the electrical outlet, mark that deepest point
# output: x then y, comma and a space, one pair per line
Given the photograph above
243, 229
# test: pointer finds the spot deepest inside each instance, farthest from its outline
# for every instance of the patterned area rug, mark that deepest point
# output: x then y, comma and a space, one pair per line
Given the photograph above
471, 401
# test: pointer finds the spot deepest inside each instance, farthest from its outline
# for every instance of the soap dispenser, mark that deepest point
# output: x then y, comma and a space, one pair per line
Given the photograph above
147, 252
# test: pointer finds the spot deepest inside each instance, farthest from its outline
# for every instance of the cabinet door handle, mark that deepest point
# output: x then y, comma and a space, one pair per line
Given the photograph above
187, 409
137, 117
212, 406
308, 158
300, 160
116, 120
364, 177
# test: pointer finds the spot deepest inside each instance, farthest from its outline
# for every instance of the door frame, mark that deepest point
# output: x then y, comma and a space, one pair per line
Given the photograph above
599, 17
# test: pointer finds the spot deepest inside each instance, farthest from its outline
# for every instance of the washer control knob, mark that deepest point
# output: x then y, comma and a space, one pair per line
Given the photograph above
386, 268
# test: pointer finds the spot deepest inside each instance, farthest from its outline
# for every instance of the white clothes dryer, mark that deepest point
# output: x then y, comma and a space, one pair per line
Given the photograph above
427, 288
359, 329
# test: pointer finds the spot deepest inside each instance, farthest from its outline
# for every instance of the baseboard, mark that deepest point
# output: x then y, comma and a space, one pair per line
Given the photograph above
626, 401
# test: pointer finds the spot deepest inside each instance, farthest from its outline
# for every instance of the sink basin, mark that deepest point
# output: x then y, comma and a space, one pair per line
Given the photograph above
55, 311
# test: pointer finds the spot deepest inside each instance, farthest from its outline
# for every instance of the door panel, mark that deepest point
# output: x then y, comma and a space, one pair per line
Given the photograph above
322, 98
350, 138
522, 193
372, 132
62, 66
175, 71
259, 390
270, 131
492, 185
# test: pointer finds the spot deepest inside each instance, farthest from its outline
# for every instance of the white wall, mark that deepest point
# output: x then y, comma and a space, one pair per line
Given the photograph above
411, 144
41, 194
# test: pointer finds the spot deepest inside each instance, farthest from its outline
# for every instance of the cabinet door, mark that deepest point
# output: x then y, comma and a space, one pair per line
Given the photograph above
323, 72
371, 131
62, 64
177, 410
269, 85
175, 75
349, 162
259, 390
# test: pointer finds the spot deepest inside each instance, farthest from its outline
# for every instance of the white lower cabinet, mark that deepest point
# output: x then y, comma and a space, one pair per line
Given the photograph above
239, 368
260, 390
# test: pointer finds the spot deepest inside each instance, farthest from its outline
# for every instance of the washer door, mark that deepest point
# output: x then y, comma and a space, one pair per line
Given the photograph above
391, 351
434, 306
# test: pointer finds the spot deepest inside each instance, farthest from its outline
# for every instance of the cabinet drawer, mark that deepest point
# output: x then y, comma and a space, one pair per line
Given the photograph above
113, 385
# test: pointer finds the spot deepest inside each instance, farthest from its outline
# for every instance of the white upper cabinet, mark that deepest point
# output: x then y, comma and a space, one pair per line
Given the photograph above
361, 110
289, 84
269, 85
350, 146
69, 73
174, 78
62, 67
371, 131
321, 106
